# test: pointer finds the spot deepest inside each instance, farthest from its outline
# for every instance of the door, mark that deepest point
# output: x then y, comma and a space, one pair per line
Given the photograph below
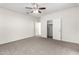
38, 29
57, 29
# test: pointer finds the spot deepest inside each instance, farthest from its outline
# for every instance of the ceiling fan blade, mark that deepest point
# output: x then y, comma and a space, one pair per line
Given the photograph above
27, 12
39, 11
31, 12
28, 8
42, 8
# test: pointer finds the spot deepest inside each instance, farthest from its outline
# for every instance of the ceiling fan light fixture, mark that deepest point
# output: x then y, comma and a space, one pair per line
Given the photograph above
35, 11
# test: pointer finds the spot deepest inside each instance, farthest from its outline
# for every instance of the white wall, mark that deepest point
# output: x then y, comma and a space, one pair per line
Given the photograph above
15, 26
70, 24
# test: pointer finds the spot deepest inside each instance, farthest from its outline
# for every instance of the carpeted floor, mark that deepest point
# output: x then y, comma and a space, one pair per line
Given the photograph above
39, 46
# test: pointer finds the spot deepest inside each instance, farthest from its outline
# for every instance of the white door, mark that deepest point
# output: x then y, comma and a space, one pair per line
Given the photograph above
37, 28
57, 29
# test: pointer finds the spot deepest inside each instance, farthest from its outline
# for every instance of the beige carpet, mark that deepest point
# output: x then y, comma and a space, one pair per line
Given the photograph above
39, 46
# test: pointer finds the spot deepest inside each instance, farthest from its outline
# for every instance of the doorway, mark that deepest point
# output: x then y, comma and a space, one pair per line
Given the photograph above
54, 29
49, 29
38, 29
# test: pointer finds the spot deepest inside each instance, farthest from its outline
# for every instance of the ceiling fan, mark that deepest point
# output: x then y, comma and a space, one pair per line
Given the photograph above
35, 9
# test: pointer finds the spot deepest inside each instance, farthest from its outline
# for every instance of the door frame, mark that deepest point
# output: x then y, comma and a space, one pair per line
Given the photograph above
52, 27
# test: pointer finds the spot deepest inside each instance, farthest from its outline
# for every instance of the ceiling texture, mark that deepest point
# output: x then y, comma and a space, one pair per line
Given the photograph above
50, 7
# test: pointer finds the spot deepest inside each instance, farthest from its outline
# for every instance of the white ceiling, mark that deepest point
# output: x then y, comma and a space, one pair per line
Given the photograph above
50, 7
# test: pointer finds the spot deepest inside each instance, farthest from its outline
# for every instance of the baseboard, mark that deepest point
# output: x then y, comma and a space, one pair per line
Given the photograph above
15, 40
